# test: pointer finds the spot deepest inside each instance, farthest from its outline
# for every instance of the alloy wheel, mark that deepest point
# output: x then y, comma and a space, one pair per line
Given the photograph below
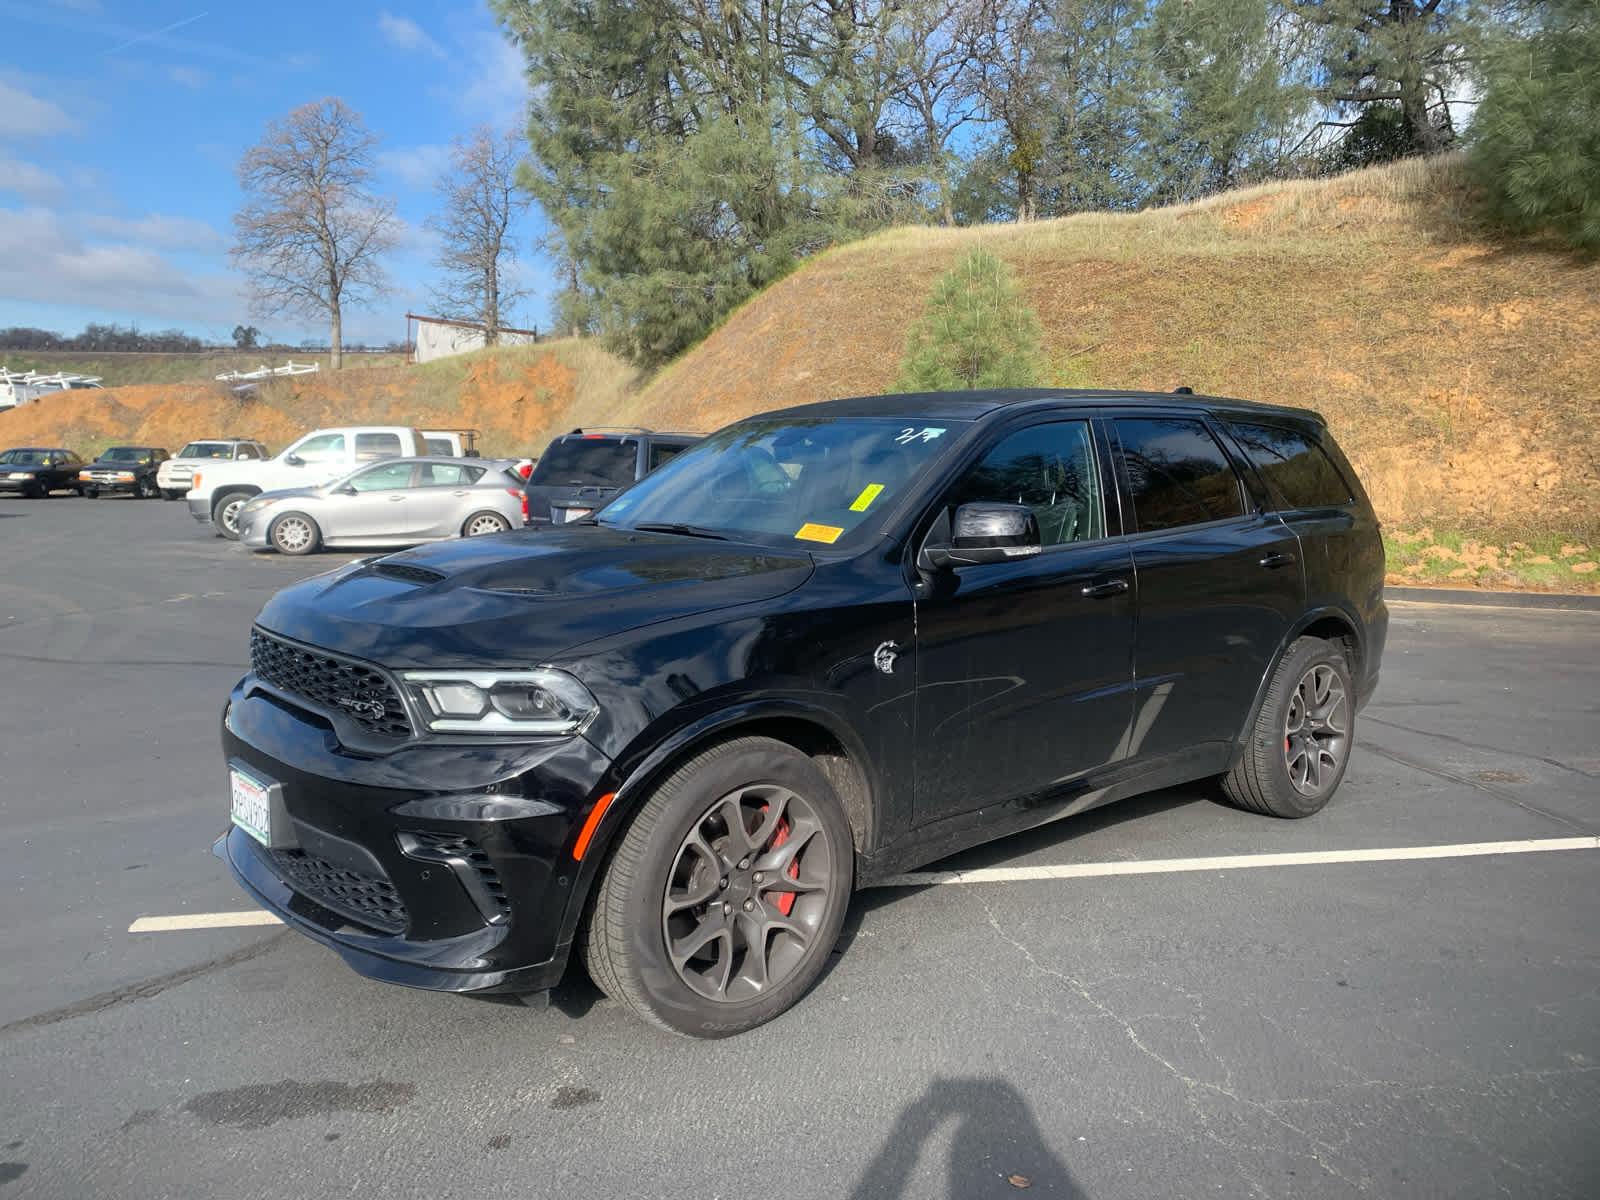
1316, 729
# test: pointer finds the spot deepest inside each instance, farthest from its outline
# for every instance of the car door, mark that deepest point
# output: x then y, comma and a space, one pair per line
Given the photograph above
442, 499
1219, 581
371, 506
1024, 668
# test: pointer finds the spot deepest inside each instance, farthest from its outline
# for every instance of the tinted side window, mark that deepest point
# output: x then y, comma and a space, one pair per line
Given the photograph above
660, 453
1178, 473
1051, 469
1294, 466
377, 445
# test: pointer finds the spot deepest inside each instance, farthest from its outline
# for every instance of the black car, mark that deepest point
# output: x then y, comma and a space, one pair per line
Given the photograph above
819, 648
124, 469
38, 470
581, 470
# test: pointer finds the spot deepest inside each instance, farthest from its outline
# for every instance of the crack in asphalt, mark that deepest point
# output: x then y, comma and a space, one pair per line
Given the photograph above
144, 990
1406, 760
1445, 737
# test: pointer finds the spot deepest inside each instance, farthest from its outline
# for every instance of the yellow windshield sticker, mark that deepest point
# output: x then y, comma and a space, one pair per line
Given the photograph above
868, 495
819, 533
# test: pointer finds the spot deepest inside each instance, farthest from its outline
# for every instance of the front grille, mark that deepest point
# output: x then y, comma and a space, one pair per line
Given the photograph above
365, 899
440, 846
359, 692
407, 572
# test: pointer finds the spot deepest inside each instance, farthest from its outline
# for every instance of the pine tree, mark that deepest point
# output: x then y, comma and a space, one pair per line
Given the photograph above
977, 331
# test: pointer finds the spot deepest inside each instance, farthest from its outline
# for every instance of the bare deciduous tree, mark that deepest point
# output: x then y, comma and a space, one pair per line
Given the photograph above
310, 233
481, 200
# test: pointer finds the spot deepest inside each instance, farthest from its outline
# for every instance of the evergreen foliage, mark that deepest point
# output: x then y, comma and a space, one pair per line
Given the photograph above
977, 331
1537, 139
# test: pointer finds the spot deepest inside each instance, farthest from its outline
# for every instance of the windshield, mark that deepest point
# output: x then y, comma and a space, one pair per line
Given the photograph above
586, 461
207, 450
783, 481
134, 454
23, 458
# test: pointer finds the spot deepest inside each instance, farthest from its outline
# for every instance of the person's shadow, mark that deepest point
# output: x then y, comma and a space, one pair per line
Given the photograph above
995, 1140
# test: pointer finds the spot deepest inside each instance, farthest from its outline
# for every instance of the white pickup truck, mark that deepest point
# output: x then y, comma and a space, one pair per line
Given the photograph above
220, 489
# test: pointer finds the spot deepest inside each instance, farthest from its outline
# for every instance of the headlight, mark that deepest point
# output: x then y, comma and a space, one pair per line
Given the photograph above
258, 504
81, 475
541, 701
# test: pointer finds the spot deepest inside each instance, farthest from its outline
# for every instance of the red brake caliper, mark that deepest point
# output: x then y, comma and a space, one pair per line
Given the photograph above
785, 900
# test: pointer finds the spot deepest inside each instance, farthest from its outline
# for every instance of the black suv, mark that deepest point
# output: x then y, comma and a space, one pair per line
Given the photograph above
129, 469
819, 648
581, 470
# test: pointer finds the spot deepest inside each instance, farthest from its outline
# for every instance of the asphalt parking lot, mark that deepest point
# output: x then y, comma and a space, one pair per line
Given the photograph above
1064, 1013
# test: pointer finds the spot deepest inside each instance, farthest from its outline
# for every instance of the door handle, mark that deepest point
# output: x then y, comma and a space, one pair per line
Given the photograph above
396, 499
1110, 587
1278, 558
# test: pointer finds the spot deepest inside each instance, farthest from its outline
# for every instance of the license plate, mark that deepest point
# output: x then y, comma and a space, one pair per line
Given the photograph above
252, 806
574, 513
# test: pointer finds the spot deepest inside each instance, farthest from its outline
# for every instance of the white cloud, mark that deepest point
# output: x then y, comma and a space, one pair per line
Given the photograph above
44, 261
22, 115
194, 78
161, 232
418, 167
496, 88
33, 183
406, 34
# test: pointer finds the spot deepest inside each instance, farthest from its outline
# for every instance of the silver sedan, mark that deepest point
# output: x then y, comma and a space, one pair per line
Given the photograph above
395, 502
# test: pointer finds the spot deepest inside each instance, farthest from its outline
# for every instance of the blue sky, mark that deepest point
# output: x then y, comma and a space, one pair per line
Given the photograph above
121, 124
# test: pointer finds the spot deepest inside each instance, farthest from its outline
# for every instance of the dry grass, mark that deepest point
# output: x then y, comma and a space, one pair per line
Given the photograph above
1457, 371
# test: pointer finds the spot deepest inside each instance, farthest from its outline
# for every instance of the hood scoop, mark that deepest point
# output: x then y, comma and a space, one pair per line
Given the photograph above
411, 574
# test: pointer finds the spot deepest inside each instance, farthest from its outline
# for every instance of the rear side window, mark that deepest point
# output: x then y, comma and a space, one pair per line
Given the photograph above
1178, 473
1295, 467
377, 445
660, 452
586, 462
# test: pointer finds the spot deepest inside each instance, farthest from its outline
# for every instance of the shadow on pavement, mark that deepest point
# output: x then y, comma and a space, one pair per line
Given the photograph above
996, 1151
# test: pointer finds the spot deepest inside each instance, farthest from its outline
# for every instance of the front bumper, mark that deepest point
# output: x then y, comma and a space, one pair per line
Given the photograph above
442, 865
199, 507
109, 487
253, 527
16, 485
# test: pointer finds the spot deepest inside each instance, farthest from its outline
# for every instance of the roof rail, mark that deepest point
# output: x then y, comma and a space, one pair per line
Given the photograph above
612, 429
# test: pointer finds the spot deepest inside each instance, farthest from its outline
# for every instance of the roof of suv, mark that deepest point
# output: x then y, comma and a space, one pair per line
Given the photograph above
969, 406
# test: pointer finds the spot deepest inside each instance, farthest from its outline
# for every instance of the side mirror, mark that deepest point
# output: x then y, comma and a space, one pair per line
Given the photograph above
293, 460
981, 532
348, 489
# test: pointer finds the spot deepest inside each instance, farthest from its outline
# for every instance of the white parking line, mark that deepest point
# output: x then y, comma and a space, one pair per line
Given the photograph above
1237, 862
1160, 866
216, 920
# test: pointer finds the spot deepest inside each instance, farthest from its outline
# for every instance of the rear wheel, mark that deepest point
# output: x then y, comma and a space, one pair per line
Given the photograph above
294, 533
721, 903
484, 522
1300, 745
225, 513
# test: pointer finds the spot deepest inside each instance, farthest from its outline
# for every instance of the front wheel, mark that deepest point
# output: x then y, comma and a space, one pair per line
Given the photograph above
91, 493
225, 514
294, 533
720, 906
484, 522
41, 489
172, 493
1300, 744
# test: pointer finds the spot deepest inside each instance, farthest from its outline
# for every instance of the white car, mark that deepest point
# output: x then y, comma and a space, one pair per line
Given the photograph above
176, 475
396, 502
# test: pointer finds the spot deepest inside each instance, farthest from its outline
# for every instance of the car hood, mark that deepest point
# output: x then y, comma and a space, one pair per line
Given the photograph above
523, 598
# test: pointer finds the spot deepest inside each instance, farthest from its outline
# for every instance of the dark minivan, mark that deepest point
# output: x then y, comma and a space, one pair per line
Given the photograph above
581, 470
818, 648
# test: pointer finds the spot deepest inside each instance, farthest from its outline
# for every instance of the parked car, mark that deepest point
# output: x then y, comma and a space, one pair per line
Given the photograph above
123, 469
38, 470
220, 490
176, 475
396, 502
452, 443
819, 648
581, 470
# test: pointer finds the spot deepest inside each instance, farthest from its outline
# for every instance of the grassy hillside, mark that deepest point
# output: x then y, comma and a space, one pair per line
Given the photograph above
1458, 372
516, 397
118, 369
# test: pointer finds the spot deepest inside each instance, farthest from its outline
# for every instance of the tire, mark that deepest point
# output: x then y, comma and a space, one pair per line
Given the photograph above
225, 513
1300, 745
294, 533
91, 493
171, 494
144, 490
481, 523
680, 860
41, 490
